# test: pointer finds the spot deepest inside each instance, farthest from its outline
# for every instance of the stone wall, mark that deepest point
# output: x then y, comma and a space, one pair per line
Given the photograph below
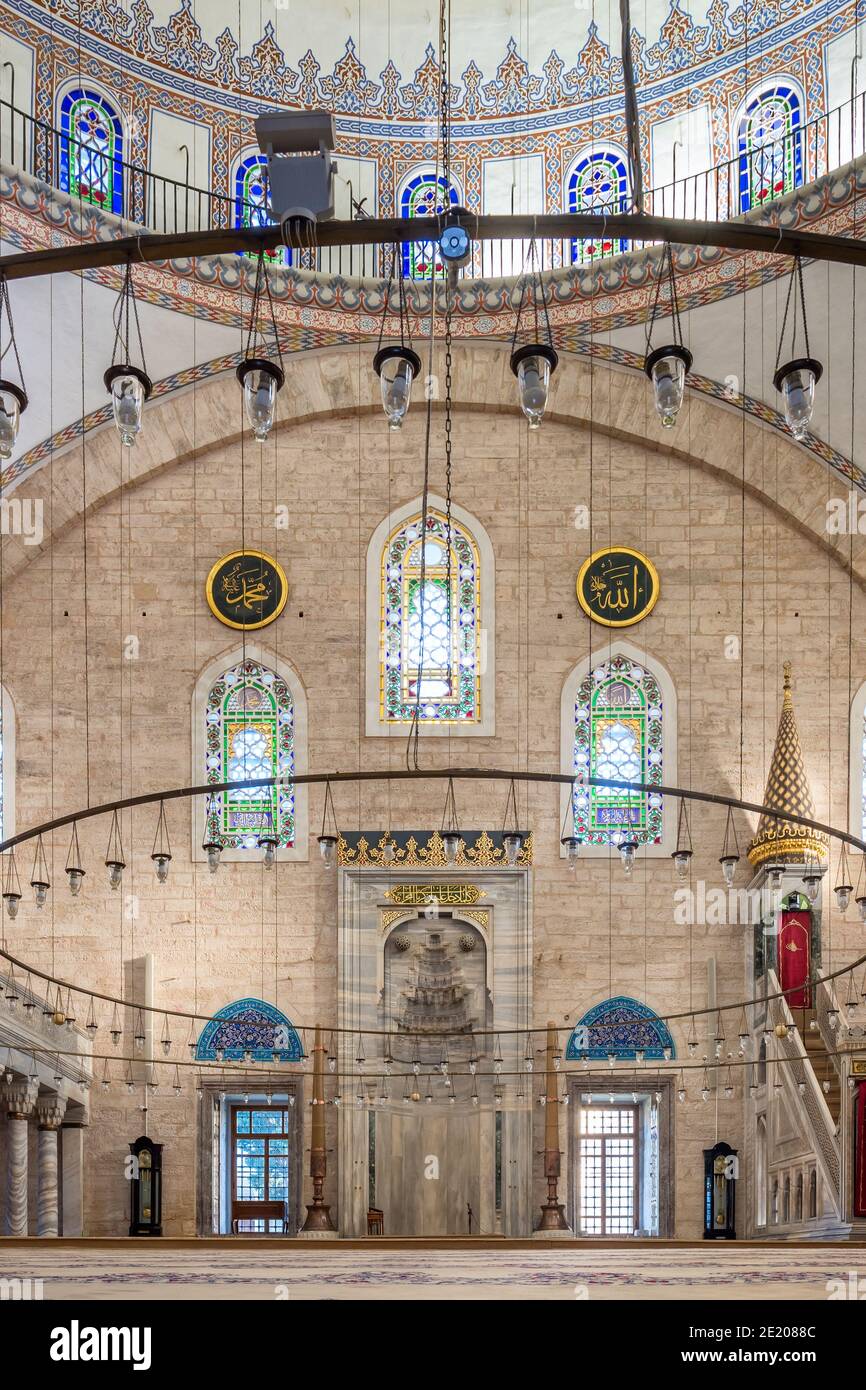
93, 724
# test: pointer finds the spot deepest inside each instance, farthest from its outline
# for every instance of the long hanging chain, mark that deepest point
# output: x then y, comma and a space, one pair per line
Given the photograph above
445, 99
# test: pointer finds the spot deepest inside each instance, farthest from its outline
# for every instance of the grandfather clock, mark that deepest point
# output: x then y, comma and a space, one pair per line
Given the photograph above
720, 1187
146, 1188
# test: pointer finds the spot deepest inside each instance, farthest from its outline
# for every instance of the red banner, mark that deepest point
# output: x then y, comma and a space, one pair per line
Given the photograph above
794, 943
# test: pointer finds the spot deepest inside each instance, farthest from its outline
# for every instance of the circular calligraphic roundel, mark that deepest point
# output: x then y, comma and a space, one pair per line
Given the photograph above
617, 586
246, 589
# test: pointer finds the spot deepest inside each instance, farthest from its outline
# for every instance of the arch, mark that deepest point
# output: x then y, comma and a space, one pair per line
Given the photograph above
768, 140
285, 715
249, 1025
857, 763
462, 701
620, 1027
7, 763
798, 1198
252, 201
640, 716
91, 146
786, 1200
813, 1194
597, 181
424, 193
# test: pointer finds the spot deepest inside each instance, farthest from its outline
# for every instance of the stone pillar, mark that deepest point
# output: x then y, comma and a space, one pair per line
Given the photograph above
49, 1114
72, 1171
18, 1097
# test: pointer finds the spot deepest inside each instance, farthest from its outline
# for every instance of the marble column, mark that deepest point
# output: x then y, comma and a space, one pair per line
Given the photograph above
49, 1115
72, 1172
18, 1097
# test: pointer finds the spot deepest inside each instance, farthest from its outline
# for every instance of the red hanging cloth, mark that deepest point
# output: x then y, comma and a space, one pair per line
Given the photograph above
794, 958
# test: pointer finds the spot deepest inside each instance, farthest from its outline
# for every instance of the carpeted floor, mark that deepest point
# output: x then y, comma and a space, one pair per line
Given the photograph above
144, 1270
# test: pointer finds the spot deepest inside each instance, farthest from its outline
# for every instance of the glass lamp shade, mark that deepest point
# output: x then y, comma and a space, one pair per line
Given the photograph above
812, 884
13, 399
129, 388
667, 369
843, 895
268, 843
533, 365
396, 367
40, 889
627, 852
115, 869
682, 858
76, 878
729, 864
161, 863
451, 845
213, 851
328, 848
12, 900
571, 845
512, 843
261, 380
797, 381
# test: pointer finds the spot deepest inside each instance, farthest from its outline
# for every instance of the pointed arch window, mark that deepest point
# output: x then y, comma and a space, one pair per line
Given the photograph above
426, 194
598, 183
770, 145
91, 149
249, 725
252, 201
618, 732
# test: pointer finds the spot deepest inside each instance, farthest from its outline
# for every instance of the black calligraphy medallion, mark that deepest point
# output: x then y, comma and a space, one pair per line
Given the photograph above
617, 586
246, 589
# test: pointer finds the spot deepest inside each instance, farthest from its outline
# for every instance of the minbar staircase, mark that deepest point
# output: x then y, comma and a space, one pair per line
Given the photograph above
822, 1064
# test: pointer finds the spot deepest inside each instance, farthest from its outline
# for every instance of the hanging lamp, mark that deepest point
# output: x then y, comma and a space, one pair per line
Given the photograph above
513, 839
11, 884
569, 841
396, 364
329, 837
114, 860
535, 361
667, 367
860, 897
261, 377
74, 871
268, 840
450, 831
129, 386
161, 852
797, 378
39, 880
730, 856
682, 855
13, 397
211, 843
843, 886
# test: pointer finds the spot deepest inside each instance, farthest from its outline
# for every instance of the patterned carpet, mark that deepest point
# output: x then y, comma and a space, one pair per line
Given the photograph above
229, 1271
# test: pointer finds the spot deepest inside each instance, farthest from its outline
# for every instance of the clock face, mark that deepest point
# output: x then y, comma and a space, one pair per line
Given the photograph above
246, 589
617, 586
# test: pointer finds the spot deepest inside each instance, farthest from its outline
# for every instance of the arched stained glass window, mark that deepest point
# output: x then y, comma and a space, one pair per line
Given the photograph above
252, 201
770, 145
618, 734
598, 183
425, 195
249, 733
91, 149
449, 685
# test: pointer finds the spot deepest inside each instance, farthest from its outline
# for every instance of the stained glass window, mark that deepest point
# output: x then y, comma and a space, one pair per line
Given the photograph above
770, 145
449, 685
599, 184
618, 734
249, 733
91, 149
252, 201
426, 195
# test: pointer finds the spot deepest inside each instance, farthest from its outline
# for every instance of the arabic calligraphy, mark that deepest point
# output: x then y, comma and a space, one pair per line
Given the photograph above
246, 589
617, 586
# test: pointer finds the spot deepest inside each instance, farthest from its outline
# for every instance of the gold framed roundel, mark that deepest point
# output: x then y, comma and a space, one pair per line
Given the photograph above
617, 586
246, 589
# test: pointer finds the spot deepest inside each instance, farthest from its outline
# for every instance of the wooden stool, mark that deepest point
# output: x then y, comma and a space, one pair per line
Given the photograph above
375, 1222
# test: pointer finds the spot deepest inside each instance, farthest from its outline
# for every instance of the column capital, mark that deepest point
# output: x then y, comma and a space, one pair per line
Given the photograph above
18, 1096
50, 1110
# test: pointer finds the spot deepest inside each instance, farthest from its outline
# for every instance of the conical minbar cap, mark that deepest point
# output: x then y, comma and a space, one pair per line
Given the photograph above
778, 839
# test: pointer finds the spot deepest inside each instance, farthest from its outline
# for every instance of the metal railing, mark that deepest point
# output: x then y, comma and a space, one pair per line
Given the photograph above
168, 205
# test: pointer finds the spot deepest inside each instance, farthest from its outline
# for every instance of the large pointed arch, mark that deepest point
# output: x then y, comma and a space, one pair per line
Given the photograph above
471, 710
270, 664
653, 724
